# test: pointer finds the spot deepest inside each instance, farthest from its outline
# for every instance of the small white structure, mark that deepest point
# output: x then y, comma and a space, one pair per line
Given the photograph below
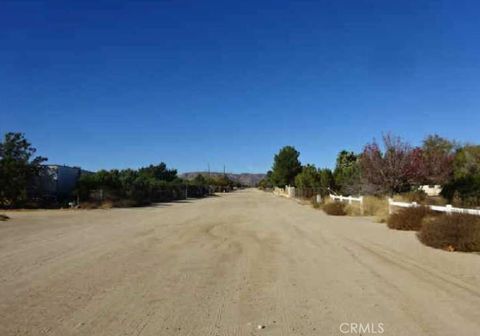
285, 192
431, 190
290, 191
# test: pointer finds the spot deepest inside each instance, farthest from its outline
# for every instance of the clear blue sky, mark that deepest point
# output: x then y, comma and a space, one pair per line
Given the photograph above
124, 84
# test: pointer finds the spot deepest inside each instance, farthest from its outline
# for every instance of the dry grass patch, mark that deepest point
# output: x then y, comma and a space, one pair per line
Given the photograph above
456, 232
437, 200
420, 197
4, 217
372, 206
335, 209
409, 219
353, 209
375, 206
411, 196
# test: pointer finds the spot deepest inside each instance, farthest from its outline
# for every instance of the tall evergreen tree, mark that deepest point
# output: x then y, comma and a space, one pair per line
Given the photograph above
286, 166
18, 167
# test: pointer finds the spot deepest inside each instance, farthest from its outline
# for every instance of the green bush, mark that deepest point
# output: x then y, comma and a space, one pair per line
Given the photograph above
335, 209
456, 232
463, 191
125, 188
409, 219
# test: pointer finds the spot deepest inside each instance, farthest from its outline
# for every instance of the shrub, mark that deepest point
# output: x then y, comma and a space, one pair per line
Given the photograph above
418, 196
456, 232
127, 188
353, 209
123, 203
436, 200
4, 217
90, 205
335, 209
409, 219
375, 206
106, 204
464, 191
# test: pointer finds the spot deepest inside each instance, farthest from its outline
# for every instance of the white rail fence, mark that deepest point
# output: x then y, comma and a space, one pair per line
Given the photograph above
447, 209
290, 193
349, 199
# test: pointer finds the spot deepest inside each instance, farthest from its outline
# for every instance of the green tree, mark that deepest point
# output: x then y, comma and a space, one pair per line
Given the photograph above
434, 143
467, 161
18, 167
159, 172
200, 180
266, 182
464, 188
286, 166
308, 178
327, 181
224, 181
347, 173
438, 154
317, 181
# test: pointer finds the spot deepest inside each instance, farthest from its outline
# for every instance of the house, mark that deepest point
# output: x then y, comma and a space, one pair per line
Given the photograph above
57, 181
431, 190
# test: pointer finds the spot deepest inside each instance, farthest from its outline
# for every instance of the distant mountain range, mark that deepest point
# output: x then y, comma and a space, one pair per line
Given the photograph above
244, 178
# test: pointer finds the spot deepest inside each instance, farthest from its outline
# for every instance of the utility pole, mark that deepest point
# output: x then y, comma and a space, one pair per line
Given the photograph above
209, 179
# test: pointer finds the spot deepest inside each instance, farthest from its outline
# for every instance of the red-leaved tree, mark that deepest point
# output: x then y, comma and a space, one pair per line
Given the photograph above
392, 170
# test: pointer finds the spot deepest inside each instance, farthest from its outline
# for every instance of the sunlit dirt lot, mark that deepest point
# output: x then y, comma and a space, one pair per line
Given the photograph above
246, 263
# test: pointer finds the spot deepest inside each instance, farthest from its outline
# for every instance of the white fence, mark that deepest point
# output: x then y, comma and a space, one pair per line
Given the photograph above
290, 193
349, 199
448, 208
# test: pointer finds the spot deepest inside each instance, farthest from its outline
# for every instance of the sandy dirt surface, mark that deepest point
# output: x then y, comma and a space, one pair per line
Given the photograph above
223, 266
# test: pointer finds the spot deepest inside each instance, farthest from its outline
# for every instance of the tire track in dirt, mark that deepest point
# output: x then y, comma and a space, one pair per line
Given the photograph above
222, 266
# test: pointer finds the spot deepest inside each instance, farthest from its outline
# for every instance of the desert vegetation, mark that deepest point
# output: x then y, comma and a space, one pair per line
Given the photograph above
409, 219
155, 183
393, 168
129, 187
456, 232
20, 171
18, 167
335, 208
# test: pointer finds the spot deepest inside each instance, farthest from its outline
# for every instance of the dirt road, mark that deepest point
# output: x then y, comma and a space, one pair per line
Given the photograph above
223, 266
